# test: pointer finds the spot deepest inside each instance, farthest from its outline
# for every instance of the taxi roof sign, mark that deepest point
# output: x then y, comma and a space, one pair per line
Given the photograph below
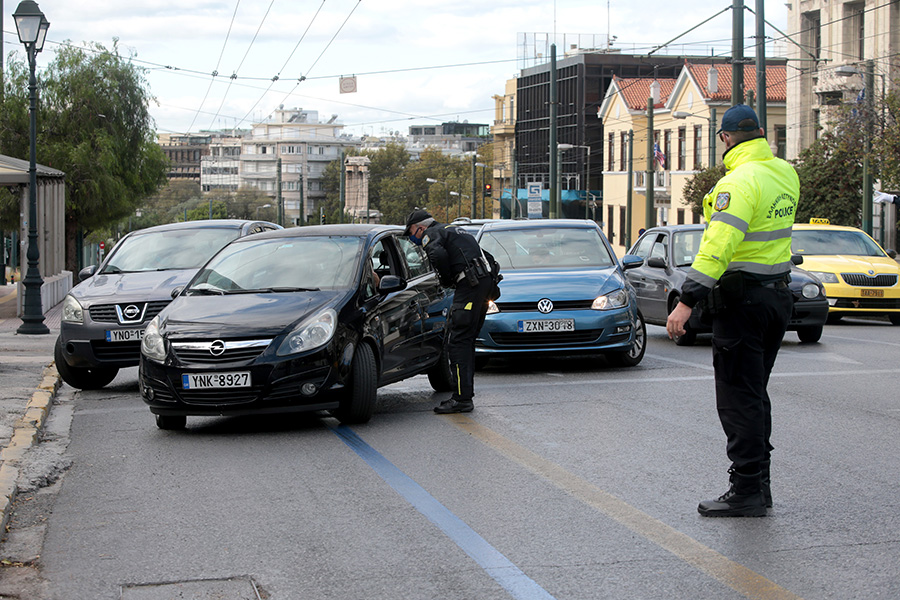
819, 221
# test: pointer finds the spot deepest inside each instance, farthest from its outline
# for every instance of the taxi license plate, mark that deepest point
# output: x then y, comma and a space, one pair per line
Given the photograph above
201, 381
872, 293
124, 335
544, 325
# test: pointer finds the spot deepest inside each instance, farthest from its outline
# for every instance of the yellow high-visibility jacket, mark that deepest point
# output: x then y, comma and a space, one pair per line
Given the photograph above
749, 214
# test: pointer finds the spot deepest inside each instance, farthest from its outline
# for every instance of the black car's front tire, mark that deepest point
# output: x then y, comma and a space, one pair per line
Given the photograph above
809, 335
635, 354
895, 318
358, 403
83, 378
440, 376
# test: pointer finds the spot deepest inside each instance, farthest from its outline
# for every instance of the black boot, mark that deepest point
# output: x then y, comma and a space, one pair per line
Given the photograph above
743, 499
765, 482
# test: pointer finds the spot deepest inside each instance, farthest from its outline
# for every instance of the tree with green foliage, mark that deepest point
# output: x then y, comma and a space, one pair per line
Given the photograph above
698, 186
94, 125
831, 177
886, 144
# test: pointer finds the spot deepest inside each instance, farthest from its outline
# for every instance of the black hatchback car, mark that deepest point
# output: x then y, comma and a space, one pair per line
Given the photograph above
104, 316
302, 319
669, 250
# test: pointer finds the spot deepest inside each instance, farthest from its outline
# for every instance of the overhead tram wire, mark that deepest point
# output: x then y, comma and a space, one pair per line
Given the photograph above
216, 70
234, 73
315, 62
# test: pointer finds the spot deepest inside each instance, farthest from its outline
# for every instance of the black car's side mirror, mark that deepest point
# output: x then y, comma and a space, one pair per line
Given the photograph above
631, 261
87, 272
657, 262
391, 283
796, 259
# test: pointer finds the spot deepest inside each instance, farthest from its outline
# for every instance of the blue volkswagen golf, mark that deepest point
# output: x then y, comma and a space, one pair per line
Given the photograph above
563, 292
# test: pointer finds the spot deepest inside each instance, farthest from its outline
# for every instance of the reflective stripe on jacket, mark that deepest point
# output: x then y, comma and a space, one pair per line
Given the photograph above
749, 214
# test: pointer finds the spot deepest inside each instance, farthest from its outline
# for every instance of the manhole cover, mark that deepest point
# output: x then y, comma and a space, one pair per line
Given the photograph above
236, 588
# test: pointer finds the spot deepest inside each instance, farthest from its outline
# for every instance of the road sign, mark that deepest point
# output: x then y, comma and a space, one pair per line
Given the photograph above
535, 205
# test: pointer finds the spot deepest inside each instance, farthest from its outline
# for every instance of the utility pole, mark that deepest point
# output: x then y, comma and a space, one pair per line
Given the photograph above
867, 169
554, 189
630, 188
343, 182
278, 197
761, 107
648, 205
474, 183
737, 52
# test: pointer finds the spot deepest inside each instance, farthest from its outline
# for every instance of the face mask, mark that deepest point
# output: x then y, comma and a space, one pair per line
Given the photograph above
415, 240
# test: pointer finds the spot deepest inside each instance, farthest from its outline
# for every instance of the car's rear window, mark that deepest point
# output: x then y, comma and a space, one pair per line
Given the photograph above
547, 248
835, 241
164, 250
315, 262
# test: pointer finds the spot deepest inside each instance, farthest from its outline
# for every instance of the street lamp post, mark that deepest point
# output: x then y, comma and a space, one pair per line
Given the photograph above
869, 84
259, 207
32, 26
712, 131
449, 193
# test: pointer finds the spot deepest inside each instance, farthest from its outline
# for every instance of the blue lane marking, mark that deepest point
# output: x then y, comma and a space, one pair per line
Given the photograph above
488, 558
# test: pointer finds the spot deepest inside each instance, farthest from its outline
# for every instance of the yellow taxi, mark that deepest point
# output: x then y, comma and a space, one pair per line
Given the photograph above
860, 278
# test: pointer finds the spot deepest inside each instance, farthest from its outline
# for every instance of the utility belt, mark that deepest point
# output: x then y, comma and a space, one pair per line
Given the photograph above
478, 268
729, 290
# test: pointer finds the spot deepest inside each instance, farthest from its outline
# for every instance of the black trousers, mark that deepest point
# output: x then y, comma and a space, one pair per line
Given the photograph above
745, 343
466, 319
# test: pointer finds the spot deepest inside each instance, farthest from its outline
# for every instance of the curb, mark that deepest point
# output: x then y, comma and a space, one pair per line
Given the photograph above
25, 434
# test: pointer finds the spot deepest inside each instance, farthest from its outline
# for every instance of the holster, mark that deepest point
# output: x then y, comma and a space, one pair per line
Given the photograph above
727, 293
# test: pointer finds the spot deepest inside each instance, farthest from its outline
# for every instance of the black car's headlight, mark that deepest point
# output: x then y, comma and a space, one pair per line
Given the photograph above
152, 345
310, 334
616, 299
72, 312
810, 290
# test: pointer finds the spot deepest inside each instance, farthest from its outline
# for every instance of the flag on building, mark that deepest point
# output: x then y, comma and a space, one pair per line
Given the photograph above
659, 156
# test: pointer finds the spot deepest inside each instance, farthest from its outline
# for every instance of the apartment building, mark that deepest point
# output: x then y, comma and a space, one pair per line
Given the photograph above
303, 146
837, 39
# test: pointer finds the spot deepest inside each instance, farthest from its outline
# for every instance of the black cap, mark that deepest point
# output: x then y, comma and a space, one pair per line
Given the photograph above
737, 114
416, 216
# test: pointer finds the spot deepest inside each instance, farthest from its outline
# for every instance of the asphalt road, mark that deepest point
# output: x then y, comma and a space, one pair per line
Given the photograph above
571, 480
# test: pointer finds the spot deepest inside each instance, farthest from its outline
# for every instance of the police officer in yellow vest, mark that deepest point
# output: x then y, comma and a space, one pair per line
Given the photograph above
739, 277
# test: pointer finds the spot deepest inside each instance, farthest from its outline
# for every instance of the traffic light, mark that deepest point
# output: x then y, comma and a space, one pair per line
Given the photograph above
322, 216
487, 189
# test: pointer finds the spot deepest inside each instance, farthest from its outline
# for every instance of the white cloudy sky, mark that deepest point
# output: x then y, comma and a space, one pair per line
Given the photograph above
402, 51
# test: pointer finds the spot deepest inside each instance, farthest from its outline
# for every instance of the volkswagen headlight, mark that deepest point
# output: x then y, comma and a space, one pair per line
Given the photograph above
152, 345
810, 290
616, 299
310, 334
492, 308
72, 312
825, 277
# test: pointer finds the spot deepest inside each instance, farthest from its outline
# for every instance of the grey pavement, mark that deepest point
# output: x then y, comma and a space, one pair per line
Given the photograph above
28, 384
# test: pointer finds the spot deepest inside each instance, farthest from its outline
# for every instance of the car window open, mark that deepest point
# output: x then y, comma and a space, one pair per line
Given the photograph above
283, 264
164, 250
547, 248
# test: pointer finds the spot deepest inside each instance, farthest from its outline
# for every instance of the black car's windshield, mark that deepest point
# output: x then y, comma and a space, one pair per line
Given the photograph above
684, 247
834, 241
164, 250
281, 265
547, 248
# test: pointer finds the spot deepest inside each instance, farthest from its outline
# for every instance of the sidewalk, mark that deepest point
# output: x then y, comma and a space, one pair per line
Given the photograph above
28, 383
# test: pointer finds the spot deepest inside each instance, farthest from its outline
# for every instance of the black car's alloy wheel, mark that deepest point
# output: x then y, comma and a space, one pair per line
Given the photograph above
358, 404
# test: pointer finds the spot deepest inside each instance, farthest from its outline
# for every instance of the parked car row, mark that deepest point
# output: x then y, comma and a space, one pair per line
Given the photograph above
240, 317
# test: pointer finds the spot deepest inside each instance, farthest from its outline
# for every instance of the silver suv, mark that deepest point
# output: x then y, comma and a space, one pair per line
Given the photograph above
104, 316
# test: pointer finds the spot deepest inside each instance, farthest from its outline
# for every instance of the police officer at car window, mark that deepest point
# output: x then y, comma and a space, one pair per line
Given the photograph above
461, 264
740, 276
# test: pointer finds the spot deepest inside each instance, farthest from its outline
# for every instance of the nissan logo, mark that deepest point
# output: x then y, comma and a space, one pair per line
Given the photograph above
545, 305
217, 348
131, 312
